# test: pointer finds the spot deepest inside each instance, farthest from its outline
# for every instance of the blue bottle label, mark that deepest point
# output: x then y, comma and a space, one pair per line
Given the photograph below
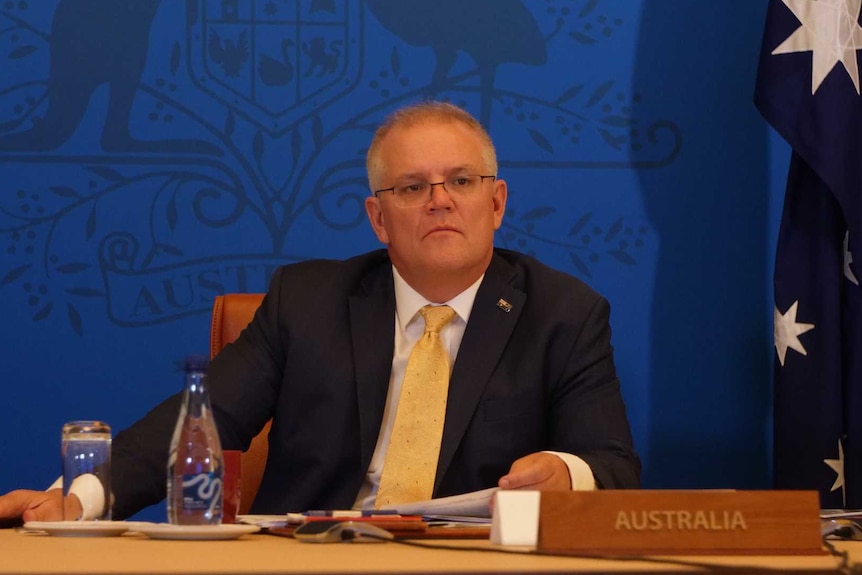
202, 492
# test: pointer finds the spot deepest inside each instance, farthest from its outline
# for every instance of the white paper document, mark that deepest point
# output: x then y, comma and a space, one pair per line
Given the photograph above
473, 504
264, 521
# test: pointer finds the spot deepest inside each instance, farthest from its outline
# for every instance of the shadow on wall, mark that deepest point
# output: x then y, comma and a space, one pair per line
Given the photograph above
450, 26
710, 370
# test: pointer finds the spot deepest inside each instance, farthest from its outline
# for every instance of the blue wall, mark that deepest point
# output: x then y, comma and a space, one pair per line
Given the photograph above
154, 154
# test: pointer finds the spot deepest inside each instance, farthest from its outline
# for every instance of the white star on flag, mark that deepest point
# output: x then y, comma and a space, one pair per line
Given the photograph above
837, 466
848, 259
830, 29
787, 332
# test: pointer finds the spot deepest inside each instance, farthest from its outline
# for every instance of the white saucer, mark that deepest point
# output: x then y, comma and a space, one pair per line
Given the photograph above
194, 532
80, 528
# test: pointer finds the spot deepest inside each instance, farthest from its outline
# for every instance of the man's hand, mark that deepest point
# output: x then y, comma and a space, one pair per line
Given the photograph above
39, 505
539, 471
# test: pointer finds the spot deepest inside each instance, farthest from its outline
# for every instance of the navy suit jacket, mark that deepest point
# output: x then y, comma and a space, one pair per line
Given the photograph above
317, 357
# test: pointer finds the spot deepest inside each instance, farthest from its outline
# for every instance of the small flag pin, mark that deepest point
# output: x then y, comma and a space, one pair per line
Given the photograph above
504, 305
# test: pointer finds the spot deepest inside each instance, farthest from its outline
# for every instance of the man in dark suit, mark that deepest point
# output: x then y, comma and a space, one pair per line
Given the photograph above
533, 398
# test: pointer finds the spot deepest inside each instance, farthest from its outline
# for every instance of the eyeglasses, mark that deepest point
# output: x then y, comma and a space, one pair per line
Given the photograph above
414, 194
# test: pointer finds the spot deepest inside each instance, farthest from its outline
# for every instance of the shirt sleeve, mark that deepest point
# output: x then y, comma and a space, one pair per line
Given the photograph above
579, 472
89, 491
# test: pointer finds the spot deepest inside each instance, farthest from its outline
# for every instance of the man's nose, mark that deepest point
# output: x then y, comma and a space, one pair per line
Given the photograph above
440, 197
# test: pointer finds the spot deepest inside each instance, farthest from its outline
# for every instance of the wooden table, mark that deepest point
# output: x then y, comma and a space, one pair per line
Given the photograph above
35, 553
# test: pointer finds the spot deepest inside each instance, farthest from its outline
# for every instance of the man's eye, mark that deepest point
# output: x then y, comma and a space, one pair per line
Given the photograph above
460, 182
412, 188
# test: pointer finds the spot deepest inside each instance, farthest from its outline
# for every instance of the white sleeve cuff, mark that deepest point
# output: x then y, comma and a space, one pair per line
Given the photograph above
579, 472
89, 491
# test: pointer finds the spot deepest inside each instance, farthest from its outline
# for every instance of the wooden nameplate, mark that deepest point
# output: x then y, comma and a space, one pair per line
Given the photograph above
680, 522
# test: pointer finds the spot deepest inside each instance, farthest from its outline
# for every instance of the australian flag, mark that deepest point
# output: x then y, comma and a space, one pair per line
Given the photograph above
808, 89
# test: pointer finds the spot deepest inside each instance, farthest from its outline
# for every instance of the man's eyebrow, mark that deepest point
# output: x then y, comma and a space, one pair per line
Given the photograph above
465, 169
412, 176
462, 169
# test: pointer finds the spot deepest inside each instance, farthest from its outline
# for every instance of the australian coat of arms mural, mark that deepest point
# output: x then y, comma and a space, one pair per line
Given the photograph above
157, 153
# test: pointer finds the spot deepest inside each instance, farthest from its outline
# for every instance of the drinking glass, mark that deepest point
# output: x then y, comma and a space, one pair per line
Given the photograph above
86, 450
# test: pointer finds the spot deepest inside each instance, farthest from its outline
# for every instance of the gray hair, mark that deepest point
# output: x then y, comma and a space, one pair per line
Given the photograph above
416, 114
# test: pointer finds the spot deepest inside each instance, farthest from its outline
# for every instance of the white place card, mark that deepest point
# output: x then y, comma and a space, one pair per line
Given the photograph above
516, 518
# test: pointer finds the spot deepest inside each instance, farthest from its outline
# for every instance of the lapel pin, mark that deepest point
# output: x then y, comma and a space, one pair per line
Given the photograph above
504, 305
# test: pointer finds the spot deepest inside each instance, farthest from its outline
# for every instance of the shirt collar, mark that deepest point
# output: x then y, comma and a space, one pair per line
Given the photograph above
408, 301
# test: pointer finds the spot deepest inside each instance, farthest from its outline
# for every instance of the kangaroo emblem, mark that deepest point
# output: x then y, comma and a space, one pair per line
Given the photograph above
94, 42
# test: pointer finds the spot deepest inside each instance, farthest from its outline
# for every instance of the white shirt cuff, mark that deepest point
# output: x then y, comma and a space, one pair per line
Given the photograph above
89, 491
579, 472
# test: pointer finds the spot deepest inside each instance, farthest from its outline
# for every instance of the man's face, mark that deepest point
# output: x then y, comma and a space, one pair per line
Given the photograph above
447, 236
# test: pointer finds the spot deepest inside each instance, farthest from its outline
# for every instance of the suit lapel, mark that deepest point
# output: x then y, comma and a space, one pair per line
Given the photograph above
487, 334
372, 330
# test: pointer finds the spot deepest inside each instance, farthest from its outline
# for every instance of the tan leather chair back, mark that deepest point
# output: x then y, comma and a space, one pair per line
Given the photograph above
231, 314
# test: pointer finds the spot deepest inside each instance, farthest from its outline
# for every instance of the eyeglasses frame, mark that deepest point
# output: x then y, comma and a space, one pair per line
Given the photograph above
431, 188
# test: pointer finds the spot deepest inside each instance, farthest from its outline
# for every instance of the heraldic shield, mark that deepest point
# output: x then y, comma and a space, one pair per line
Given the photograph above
274, 62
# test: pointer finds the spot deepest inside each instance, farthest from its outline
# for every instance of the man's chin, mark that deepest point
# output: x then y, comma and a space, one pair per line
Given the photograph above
452, 265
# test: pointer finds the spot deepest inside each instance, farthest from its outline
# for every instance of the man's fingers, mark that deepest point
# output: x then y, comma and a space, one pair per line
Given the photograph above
536, 471
15, 503
32, 505
524, 473
523, 479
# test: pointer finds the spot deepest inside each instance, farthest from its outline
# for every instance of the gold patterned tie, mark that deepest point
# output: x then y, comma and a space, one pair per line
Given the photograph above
411, 458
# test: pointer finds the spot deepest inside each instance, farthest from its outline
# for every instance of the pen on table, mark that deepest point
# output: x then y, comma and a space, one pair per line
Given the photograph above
349, 513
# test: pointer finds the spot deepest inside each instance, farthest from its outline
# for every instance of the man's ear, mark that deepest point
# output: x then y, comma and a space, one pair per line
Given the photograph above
375, 218
501, 194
